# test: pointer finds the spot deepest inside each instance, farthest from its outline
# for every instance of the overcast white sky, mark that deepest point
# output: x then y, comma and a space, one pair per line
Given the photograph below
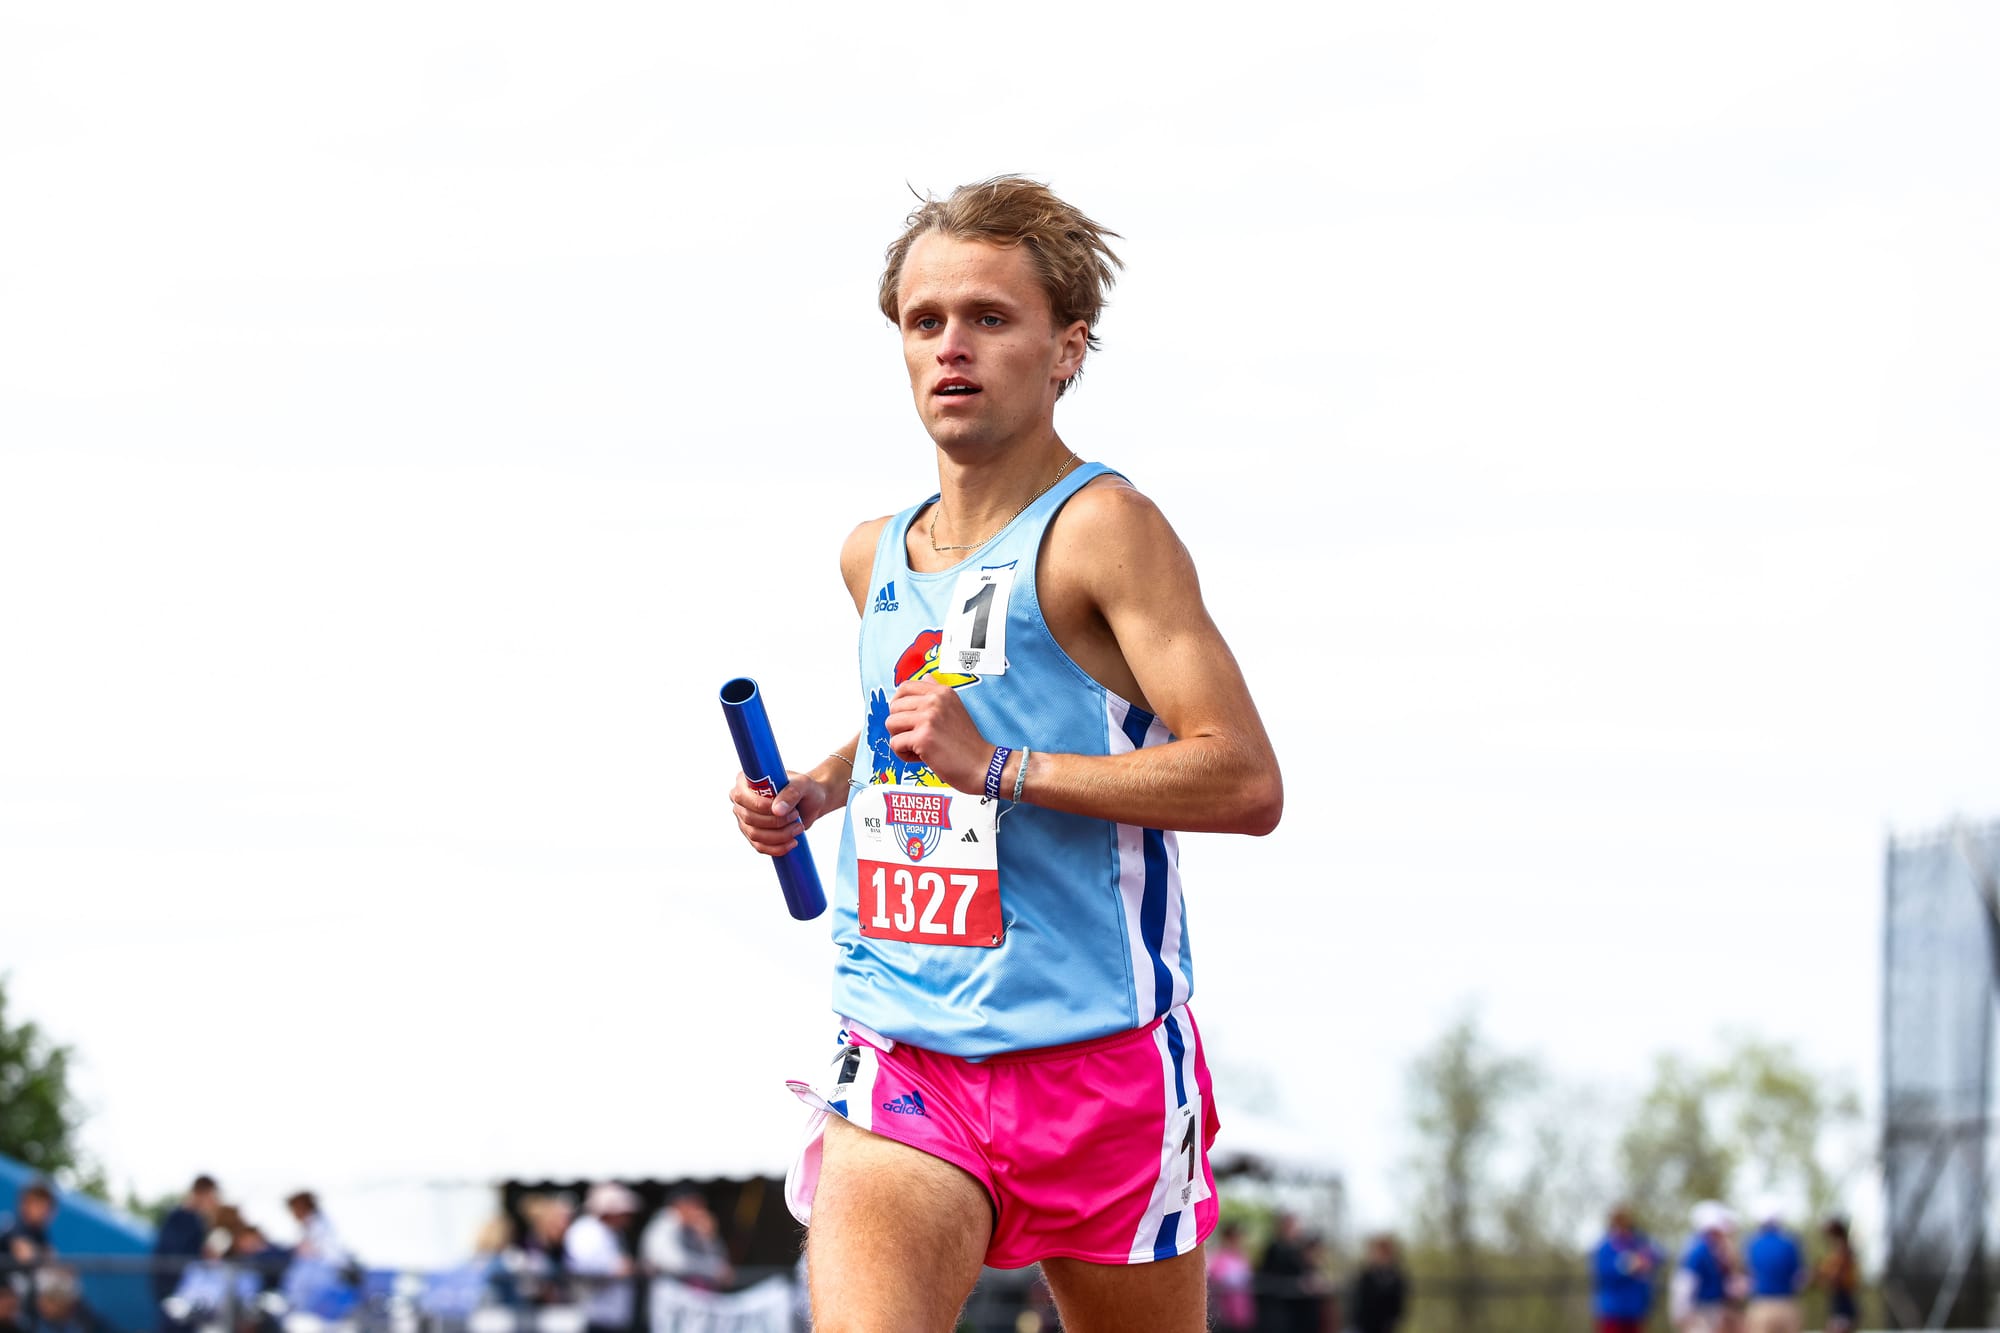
1582, 417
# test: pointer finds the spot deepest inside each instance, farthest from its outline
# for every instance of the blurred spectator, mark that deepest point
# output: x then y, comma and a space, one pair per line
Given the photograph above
1777, 1272
259, 1266
10, 1309
1700, 1292
1736, 1282
230, 1279
481, 1281
1283, 1306
25, 1244
251, 1249
205, 1287
595, 1248
683, 1243
539, 1263
1231, 1295
1320, 1302
59, 1304
1381, 1291
1621, 1275
317, 1238
182, 1233
1841, 1276
320, 1278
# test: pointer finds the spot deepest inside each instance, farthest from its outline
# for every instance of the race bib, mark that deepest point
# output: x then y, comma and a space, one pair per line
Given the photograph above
974, 640
929, 866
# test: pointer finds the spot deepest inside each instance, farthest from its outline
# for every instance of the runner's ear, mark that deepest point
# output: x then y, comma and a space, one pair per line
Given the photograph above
1074, 342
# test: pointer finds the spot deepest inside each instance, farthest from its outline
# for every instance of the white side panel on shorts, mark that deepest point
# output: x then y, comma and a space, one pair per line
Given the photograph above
861, 1096
1146, 1238
858, 1101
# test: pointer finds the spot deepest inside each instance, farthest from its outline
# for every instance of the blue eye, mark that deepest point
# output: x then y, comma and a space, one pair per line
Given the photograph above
990, 321
925, 322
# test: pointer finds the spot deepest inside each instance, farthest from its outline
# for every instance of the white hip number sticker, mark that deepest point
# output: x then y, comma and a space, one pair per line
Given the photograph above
1187, 1183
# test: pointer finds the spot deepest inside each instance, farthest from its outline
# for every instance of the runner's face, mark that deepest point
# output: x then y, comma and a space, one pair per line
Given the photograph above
984, 358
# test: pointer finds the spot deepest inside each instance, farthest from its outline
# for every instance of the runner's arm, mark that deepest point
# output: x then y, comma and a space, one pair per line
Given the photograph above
772, 825
1218, 775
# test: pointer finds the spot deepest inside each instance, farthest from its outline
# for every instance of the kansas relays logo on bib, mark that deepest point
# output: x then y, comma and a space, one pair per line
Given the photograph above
919, 820
915, 884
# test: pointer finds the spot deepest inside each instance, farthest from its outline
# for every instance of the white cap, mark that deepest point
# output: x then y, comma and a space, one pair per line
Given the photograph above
1708, 1215
1769, 1210
607, 1197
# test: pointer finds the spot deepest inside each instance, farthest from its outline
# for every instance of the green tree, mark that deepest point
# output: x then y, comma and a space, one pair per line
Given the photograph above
39, 1116
1556, 1195
1785, 1117
1757, 1119
1461, 1095
1672, 1155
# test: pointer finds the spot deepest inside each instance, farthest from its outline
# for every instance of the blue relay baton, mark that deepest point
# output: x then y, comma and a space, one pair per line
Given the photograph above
757, 752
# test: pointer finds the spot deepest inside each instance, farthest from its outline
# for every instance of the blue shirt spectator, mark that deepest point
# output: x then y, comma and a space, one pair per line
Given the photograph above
1622, 1271
1776, 1266
25, 1244
182, 1235
1711, 1275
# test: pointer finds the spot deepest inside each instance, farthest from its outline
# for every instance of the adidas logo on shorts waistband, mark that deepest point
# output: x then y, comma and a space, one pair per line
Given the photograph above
907, 1104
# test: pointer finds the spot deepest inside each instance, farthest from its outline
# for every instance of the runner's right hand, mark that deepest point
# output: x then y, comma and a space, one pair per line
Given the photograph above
803, 799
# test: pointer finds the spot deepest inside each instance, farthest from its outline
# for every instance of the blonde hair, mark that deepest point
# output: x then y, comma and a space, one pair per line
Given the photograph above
1067, 249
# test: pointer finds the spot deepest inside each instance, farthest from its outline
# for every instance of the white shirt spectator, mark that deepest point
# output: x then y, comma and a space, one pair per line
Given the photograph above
595, 1255
318, 1240
672, 1248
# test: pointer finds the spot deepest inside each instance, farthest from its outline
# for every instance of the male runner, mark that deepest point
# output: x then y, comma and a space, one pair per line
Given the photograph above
1046, 700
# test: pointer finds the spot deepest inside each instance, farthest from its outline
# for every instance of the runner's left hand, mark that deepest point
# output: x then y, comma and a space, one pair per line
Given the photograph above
928, 723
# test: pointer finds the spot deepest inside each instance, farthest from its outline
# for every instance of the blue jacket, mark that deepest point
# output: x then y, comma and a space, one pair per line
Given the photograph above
1620, 1288
1711, 1280
1775, 1263
181, 1233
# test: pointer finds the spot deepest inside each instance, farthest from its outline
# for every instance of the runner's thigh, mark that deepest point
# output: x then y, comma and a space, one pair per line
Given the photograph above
1167, 1295
897, 1236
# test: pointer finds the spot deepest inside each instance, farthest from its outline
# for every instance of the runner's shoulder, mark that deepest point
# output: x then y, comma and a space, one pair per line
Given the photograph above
857, 557
1110, 518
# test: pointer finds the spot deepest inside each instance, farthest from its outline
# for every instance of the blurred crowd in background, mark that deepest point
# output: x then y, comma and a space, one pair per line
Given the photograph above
212, 1267
208, 1258
606, 1263
1724, 1280
1289, 1287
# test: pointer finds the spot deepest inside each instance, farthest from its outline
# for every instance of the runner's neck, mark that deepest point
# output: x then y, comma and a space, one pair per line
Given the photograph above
980, 498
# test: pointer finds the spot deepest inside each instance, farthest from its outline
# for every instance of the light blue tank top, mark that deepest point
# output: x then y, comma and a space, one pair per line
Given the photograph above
1096, 936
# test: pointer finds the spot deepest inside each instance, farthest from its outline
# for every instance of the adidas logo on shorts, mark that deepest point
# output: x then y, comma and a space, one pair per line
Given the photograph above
907, 1104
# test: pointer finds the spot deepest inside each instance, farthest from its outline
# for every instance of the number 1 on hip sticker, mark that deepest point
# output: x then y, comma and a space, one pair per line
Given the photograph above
975, 624
1187, 1182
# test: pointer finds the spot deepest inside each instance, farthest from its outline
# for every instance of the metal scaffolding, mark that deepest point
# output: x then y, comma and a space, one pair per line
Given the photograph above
1941, 967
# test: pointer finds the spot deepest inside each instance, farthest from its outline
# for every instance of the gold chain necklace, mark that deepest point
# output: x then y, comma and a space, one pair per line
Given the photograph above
973, 546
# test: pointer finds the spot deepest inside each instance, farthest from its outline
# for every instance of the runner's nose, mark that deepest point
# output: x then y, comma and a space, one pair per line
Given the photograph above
954, 348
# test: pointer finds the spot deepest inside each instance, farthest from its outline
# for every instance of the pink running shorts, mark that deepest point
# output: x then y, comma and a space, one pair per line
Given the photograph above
1096, 1150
